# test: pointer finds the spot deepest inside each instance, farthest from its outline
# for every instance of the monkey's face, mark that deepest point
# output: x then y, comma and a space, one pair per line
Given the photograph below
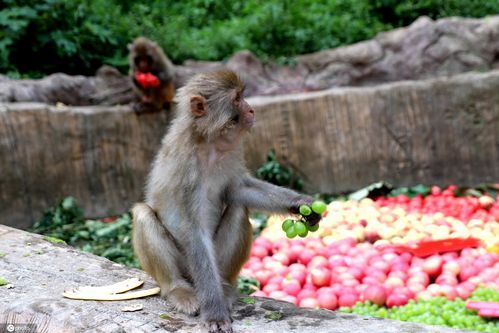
243, 113
143, 63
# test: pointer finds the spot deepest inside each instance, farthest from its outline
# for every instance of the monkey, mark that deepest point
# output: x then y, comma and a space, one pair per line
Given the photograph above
152, 75
192, 234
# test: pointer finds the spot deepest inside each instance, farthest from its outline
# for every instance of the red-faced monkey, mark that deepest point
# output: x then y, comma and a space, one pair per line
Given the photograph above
192, 234
152, 75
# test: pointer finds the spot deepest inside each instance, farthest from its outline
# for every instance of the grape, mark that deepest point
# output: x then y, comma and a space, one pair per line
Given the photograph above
305, 210
286, 224
313, 228
301, 229
291, 232
319, 207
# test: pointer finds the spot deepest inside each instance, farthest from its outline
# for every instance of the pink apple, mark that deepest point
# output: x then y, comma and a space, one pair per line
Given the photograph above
277, 279
433, 265
394, 281
305, 293
351, 283
381, 265
309, 303
327, 300
282, 258
467, 272
449, 292
291, 287
452, 266
298, 275
336, 260
320, 276
396, 300
271, 287
263, 276
306, 256
318, 262
277, 294
348, 299
377, 274
262, 241
259, 251
259, 293
375, 294
290, 299
416, 287
297, 267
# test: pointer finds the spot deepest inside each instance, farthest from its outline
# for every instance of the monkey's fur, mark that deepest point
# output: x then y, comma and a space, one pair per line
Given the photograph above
147, 56
192, 234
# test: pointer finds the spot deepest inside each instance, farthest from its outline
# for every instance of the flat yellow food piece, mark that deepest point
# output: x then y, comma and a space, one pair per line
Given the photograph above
116, 288
111, 297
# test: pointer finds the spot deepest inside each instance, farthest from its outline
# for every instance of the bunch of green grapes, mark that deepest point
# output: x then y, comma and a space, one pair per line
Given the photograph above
302, 227
437, 311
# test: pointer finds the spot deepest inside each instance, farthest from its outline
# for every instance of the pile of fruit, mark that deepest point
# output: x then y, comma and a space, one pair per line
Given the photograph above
352, 261
400, 220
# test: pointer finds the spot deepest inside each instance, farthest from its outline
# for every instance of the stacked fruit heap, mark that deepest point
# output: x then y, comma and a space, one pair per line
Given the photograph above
351, 258
400, 220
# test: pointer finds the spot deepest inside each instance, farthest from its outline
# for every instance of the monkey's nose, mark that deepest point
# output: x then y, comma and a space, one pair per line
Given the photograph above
251, 111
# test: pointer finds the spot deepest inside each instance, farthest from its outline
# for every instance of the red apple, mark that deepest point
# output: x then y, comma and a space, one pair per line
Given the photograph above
433, 265
309, 303
396, 300
291, 287
259, 251
327, 300
305, 293
375, 294
348, 299
320, 276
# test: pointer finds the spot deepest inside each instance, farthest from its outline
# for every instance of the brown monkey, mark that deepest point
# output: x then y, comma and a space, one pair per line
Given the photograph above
192, 234
152, 75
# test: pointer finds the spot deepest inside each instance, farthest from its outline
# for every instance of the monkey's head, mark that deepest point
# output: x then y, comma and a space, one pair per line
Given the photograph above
140, 52
216, 104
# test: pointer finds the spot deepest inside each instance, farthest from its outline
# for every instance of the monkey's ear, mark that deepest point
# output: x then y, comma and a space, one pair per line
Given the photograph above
198, 106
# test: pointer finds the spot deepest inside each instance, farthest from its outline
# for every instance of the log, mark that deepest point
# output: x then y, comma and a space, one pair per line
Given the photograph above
40, 271
438, 131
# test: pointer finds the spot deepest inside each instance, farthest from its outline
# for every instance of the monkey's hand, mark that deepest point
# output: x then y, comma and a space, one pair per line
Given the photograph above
313, 218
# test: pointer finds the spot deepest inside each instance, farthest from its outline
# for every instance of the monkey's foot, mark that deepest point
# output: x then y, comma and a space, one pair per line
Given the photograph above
223, 326
231, 294
184, 300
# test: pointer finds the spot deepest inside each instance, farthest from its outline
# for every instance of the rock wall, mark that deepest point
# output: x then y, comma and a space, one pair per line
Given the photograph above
435, 131
423, 50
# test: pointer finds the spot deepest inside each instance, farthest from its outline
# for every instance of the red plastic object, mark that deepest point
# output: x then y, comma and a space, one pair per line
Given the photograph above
147, 80
428, 248
485, 309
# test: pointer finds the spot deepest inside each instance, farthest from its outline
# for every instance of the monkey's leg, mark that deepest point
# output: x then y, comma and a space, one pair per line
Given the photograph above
161, 258
233, 243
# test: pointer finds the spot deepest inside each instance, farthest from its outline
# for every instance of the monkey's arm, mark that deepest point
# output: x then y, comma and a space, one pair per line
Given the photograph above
257, 194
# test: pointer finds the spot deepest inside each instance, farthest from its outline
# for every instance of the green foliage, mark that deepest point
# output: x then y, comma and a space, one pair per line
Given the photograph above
437, 311
411, 192
77, 36
111, 240
275, 173
247, 285
46, 36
